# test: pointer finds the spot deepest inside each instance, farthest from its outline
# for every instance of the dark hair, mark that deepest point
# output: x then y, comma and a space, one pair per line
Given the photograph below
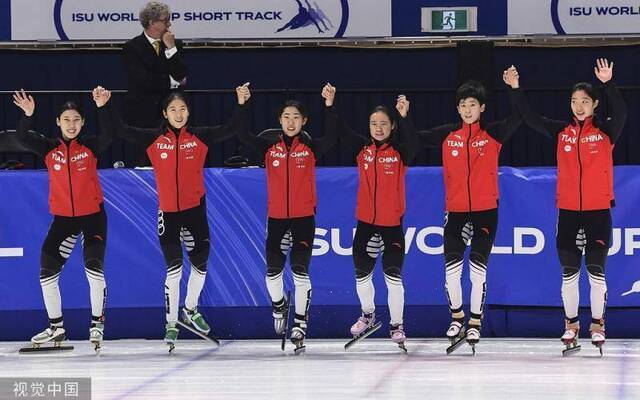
587, 88
591, 92
294, 103
70, 105
165, 103
384, 110
471, 89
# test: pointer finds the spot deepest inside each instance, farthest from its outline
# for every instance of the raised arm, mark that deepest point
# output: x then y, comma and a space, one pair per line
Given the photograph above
547, 127
503, 129
257, 143
33, 142
344, 131
330, 138
617, 108
409, 138
238, 123
101, 142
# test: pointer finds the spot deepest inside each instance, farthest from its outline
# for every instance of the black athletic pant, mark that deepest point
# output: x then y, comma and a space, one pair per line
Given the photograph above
296, 235
589, 231
369, 241
56, 249
460, 228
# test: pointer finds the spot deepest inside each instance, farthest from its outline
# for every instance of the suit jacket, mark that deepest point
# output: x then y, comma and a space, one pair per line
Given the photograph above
148, 80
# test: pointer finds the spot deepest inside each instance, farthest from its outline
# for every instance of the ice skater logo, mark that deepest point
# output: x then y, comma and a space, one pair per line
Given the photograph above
449, 21
306, 16
634, 289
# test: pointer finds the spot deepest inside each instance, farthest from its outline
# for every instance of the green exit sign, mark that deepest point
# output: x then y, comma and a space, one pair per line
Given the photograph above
453, 19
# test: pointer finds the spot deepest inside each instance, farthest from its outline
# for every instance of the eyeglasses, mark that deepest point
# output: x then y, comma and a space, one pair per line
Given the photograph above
164, 20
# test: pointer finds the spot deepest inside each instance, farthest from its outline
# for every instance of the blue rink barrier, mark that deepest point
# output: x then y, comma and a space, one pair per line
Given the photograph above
523, 297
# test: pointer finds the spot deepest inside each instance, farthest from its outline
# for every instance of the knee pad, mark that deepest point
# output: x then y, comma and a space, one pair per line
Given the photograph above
50, 266
174, 266
274, 271
364, 266
595, 269
275, 259
393, 272
595, 259
199, 260
478, 258
94, 265
569, 272
300, 269
450, 258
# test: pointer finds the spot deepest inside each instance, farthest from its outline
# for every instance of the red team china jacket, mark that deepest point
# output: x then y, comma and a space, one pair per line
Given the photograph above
470, 160
290, 164
178, 157
74, 187
382, 168
291, 176
381, 194
584, 152
178, 164
470, 154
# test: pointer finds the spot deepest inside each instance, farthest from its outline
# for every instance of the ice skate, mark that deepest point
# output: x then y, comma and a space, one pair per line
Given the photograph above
298, 334
364, 326
570, 339
194, 319
456, 335
50, 339
285, 320
171, 336
597, 336
279, 313
473, 337
96, 334
398, 336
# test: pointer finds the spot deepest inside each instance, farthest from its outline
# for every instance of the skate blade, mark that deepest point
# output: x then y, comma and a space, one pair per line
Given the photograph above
363, 335
456, 344
286, 321
571, 351
403, 347
44, 349
198, 333
599, 347
300, 350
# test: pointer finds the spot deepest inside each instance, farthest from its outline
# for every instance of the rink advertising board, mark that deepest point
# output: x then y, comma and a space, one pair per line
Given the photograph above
523, 268
574, 17
222, 19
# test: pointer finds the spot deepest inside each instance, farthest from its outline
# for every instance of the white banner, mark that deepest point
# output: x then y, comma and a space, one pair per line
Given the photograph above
206, 19
573, 16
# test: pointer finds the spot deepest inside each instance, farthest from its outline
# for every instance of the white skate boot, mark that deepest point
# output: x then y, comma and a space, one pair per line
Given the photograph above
570, 338
48, 340
364, 323
96, 333
597, 334
398, 336
298, 333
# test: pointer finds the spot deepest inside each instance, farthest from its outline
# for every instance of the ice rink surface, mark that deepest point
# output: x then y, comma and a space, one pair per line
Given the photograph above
513, 369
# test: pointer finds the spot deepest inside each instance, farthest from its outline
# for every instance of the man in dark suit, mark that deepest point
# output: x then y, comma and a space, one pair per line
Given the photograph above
154, 68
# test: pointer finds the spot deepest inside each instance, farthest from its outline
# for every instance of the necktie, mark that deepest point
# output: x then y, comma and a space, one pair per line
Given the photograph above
156, 46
